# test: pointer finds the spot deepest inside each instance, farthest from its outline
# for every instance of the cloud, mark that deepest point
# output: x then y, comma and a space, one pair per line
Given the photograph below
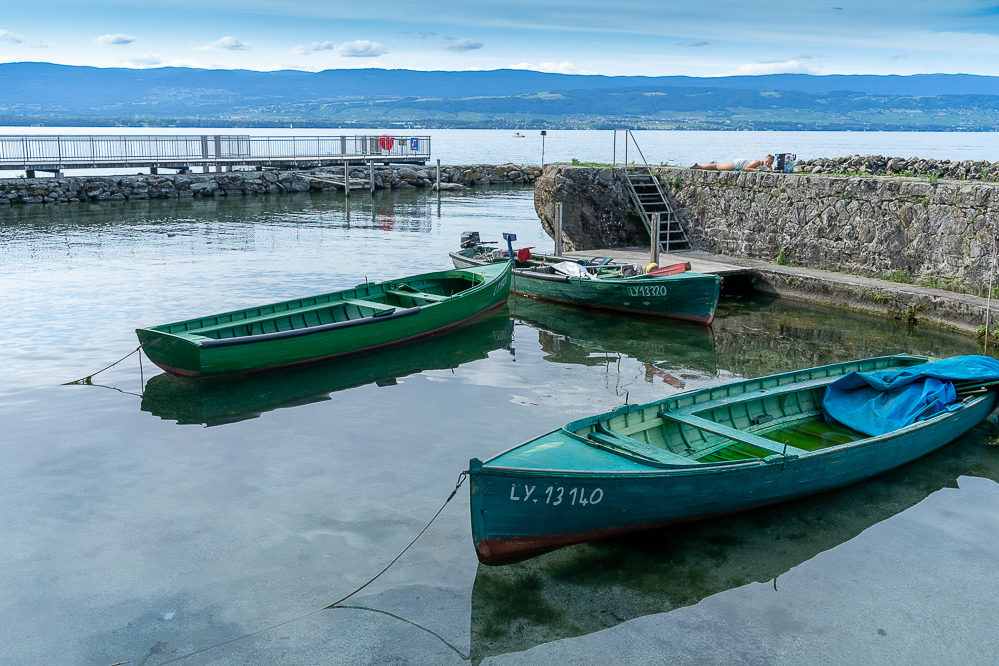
115, 40
564, 67
758, 68
8, 36
360, 48
227, 43
306, 49
898, 56
693, 44
39, 45
462, 45
148, 60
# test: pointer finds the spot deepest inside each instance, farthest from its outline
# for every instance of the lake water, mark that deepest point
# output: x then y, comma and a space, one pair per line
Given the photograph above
679, 148
152, 518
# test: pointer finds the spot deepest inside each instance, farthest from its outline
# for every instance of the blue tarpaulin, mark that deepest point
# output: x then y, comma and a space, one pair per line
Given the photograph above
878, 402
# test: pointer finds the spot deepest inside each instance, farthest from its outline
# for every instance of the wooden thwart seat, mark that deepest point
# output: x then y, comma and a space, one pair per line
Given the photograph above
731, 433
618, 443
433, 298
374, 305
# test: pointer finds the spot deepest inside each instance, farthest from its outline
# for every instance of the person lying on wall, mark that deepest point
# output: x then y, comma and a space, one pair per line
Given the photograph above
766, 164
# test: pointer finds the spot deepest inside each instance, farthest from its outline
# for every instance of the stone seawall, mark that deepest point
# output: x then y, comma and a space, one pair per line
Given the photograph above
240, 183
931, 233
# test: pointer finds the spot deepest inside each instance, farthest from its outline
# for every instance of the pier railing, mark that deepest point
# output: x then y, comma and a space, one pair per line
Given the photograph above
53, 153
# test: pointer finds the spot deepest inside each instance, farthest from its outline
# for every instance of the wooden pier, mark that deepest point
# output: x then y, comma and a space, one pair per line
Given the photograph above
55, 153
700, 262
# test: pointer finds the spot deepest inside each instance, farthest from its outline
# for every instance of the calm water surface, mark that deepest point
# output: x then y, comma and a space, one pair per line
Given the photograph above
155, 517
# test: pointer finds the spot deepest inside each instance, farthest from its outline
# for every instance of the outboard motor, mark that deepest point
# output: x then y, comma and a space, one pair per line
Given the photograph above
509, 238
469, 239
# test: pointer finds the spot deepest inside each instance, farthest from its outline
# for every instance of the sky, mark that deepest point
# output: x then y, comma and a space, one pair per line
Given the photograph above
613, 37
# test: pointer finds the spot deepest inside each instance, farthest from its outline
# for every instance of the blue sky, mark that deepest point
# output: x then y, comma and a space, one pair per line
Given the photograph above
578, 36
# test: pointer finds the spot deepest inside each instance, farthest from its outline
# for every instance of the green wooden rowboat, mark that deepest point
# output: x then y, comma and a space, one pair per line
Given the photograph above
697, 454
363, 318
690, 296
226, 399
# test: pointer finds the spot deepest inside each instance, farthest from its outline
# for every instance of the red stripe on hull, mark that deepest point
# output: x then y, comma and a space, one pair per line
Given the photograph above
183, 372
500, 551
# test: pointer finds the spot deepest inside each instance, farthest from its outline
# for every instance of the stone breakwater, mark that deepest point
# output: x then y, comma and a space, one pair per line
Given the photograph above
243, 183
879, 165
904, 229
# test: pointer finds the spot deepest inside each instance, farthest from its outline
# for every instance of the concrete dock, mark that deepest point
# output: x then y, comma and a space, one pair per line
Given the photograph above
909, 302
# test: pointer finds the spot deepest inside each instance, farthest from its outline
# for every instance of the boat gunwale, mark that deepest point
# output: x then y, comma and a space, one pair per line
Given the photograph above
250, 371
698, 467
192, 338
209, 343
636, 280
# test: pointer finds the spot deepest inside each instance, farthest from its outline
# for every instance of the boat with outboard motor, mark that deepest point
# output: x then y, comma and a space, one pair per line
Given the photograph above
670, 291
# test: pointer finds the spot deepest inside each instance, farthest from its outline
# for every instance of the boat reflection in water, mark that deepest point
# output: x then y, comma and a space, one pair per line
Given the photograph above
218, 400
667, 348
585, 588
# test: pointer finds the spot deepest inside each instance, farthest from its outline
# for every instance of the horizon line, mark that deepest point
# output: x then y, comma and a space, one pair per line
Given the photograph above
498, 69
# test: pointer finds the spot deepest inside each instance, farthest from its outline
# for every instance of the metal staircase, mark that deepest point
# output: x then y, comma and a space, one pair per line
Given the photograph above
650, 199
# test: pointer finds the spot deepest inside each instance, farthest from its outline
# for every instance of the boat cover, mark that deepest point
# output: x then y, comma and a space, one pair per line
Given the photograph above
572, 269
875, 403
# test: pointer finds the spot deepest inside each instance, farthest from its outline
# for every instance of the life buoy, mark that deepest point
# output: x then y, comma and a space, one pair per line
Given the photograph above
386, 142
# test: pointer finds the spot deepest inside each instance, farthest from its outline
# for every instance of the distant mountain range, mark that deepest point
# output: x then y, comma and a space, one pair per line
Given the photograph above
48, 94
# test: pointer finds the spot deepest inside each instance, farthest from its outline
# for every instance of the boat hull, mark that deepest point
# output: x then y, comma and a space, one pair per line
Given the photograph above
520, 511
191, 356
685, 296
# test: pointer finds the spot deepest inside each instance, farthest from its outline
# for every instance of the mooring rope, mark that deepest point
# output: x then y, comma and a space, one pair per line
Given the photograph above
88, 378
335, 604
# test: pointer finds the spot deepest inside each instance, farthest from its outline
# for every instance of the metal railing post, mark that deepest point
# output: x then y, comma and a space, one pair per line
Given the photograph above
654, 253
438, 175
346, 179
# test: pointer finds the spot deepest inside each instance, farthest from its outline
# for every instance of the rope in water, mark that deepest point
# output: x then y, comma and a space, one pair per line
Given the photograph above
335, 604
88, 378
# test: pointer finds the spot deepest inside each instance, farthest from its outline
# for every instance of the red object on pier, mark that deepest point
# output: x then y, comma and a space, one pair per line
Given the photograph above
386, 142
672, 269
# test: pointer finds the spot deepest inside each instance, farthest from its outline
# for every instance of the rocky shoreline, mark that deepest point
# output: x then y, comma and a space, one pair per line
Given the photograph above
879, 165
73, 189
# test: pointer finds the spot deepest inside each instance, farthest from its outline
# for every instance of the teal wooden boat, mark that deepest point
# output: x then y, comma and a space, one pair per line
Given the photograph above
697, 454
362, 318
757, 549
687, 295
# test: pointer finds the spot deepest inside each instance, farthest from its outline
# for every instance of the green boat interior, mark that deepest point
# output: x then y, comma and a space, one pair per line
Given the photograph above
364, 301
753, 420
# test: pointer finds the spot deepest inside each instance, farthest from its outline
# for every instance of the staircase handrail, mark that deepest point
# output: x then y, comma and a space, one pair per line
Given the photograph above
628, 134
